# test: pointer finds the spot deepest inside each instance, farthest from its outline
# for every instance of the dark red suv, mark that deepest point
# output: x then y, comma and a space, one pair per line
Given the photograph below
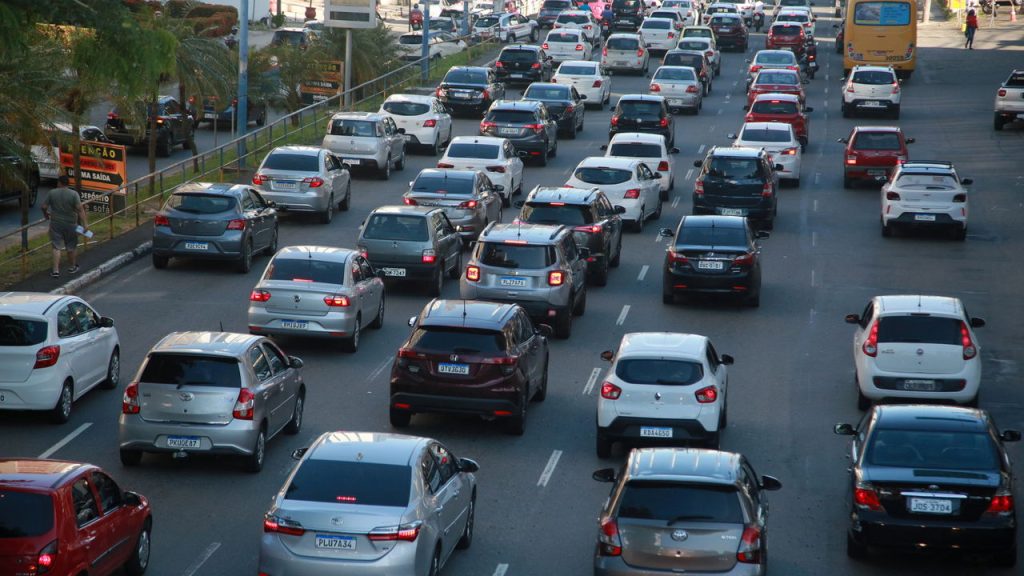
786, 35
872, 153
65, 518
471, 357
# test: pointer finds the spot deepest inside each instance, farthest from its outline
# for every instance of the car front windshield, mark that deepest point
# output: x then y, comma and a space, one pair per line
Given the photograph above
486, 22
932, 449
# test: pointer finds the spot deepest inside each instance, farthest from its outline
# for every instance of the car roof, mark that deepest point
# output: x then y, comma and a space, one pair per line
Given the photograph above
777, 96
548, 85
736, 151
403, 210
320, 253
217, 188
572, 31
628, 35
478, 140
689, 464
675, 67
916, 303
522, 232
670, 344
759, 52
927, 167
930, 417
685, 28
448, 174
645, 137
368, 447
869, 68
670, 21
290, 29
358, 116
566, 194
681, 51
419, 98
475, 314
530, 105
33, 474
777, 71
301, 150
470, 68
218, 343
621, 162
713, 221
28, 302
641, 97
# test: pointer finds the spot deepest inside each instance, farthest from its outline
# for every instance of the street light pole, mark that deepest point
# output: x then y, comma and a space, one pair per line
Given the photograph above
241, 112
425, 52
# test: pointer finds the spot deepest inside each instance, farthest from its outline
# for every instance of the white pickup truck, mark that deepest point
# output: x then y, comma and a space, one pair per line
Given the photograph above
1009, 104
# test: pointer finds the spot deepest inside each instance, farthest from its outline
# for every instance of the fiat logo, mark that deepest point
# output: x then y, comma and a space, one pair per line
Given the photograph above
679, 535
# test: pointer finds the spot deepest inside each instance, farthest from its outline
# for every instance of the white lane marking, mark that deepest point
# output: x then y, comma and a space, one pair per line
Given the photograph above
826, 89
700, 150
376, 371
622, 315
815, 205
591, 381
549, 469
195, 566
727, 96
675, 202
719, 112
657, 238
643, 273
811, 316
500, 570
826, 103
817, 177
63, 442
566, 171
689, 174
813, 283
826, 77
814, 239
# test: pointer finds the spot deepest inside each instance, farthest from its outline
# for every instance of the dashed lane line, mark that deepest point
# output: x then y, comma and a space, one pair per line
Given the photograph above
591, 381
545, 476
622, 315
64, 441
643, 273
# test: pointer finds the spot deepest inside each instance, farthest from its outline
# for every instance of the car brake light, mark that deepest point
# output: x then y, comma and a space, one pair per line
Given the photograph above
892, 195
1002, 93
960, 198
895, 87
114, 116
640, 52
698, 188
794, 68
604, 51
484, 124
545, 46
663, 123
597, 84
655, 88
789, 152
706, 395
851, 158
404, 532
245, 405
259, 295
610, 543
709, 53
337, 301
45, 560
610, 391
663, 166
538, 128
744, 259
850, 89
439, 91
1001, 503
671, 35
410, 202
428, 256
749, 551
429, 123
615, 120
632, 193
536, 66
556, 278
498, 64
468, 204
237, 224
473, 273
901, 158
161, 220
755, 68
485, 94
865, 497
276, 525
47, 356
130, 399
587, 27
691, 89
313, 182
870, 346
766, 191
591, 229
445, 165
676, 257
970, 351
259, 179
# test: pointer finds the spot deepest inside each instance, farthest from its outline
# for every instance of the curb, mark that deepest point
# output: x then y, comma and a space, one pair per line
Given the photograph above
115, 263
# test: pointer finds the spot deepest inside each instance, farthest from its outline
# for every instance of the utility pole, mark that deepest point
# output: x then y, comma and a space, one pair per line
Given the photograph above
465, 20
927, 11
425, 52
241, 110
348, 68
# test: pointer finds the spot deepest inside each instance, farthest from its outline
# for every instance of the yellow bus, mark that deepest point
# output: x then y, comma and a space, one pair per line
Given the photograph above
881, 33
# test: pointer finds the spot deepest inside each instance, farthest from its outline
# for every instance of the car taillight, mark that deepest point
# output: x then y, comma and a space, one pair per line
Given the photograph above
609, 542
337, 301
545, 46
538, 128
47, 356
484, 124
245, 405
591, 229
865, 497
1001, 504
890, 195
45, 559
691, 89
161, 220
468, 204
604, 51
851, 159
277, 525
663, 123
640, 53
440, 92
632, 193
473, 273
429, 123
960, 198
259, 179
766, 191
536, 66
1002, 93
709, 53
259, 295
587, 27
849, 88
130, 399
237, 224
870, 346
811, 57
970, 351
498, 64
445, 165
597, 84
410, 202
901, 158
570, 109
755, 68
655, 88
428, 256
676, 257
671, 35
615, 120
313, 182
556, 278
895, 87
114, 116
404, 532
789, 152
744, 259
698, 188
485, 94
749, 551
706, 395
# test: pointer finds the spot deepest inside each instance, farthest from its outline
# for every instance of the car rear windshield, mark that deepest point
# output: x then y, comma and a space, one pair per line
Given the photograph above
780, 77
764, 135
365, 483
698, 33
399, 108
512, 116
457, 340
625, 3
555, 5
201, 203
659, 371
293, 162
502, 255
877, 141
571, 37
481, 151
441, 185
675, 74
396, 227
775, 58
656, 24
936, 181
535, 92
708, 236
192, 370
24, 514
1016, 80
735, 168
695, 61
786, 30
574, 18
306, 270
640, 109
773, 107
601, 176
694, 44
576, 69
21, 332
345, 127
514, 55
635, 150
933, 449
411, 39
623, 44
725, 21
568, 214
919, 329
465, 77
676, 501
793, 17
873, 77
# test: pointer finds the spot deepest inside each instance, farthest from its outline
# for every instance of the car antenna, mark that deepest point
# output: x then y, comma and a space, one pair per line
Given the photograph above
464, 314
221, 325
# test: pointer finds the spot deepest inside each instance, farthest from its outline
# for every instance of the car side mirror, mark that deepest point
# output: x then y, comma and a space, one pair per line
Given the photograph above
977, 322
808, 109
780, 167
271, 204
604, 475
966, 181
544, 330
106, 322
608, 355
298, 453
844, 429
498, 187
698, 163
583, 96
295, 362
726, 360
910, 140
852, 318
132, 499
519, 203
770, 483
666, 233
762, 234
467, 465
842, 140
412, 321
604, 147
674, 150
658, 175
1010, 436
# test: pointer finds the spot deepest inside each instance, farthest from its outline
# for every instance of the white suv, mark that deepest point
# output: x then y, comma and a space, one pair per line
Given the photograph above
663, 386
872, 88
916, 348
925, 195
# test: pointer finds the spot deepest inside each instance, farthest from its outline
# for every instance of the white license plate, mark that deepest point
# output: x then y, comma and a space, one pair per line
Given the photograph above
352, 161
931, 506
294, 324
513, 282
508, 131
620, 63
330, 542
517, 75
710, 265
924, 217
919, 385
183, 441
731, 211
197, 245
652, 432
872, 104
675, 102
285, 185
448, 368
877, 173
396, 272
461, 95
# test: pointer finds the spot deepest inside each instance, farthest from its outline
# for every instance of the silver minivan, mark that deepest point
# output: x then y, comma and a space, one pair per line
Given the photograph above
367, 140
412, 243
211, 393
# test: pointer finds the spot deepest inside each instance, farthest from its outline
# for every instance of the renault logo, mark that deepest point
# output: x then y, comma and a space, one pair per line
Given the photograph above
454, 357
186, 396
679, 535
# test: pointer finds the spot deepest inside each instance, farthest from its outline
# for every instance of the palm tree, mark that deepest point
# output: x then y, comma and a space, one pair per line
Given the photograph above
373, 50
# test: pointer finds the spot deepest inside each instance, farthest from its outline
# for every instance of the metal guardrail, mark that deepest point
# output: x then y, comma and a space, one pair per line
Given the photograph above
227, 162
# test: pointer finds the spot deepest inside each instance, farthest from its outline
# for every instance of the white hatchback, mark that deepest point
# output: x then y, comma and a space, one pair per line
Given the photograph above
589, 78
628, 182
495, 156
567, 44
425, 121
779, 140
649, 147
53, 349
914, 347
680, 86
659, 33
581, 20
925, 195
875, 88
663, 386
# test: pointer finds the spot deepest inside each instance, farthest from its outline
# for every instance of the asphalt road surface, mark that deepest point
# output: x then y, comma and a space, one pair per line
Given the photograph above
792, 379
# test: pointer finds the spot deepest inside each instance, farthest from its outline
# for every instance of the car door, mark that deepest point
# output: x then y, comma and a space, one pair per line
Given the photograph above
577, 265
718, 371
514, 165
91, 536
530, 343
551, 123
115, 522
329, 174
611, 222
861, 330
447, 238
490, 199
373, 289
577, 104
645, 178
94, 345
263, 220
265, 391
444, 121
451, 496
758, 498
497, 89
73, 346
396, 140
285, 379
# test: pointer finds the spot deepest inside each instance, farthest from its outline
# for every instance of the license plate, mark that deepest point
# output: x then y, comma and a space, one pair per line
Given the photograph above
919, 385
675, 102
924, 217
460, 95
508, 131
294, 324
517, 75
652, 432
877, 173
710, 265
513, 282
197, 245
183, 441
397, 272
448, 368
931, 506
353, 161
731, 211
331, 542
872, 104
620, 63
285, 185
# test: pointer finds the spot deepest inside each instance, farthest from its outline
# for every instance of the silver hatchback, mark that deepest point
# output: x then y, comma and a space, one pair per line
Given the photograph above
468, 198
305, 179
414, 244
370, 504
211, 393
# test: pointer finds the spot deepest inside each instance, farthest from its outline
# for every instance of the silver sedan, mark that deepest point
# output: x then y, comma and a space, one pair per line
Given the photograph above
305, 179
468, 198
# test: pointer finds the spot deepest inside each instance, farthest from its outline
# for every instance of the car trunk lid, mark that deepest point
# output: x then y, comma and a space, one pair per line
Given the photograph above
937, 494
919, 344
339, 531
189, 388
191, 224
342, 145
706, 547
299, 296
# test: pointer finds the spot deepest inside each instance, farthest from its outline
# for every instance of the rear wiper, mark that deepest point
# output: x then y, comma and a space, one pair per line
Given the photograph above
689, 517
670, 382
458, 350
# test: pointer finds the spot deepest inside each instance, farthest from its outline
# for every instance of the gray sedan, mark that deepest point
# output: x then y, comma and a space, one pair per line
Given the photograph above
305, 179
318, 291
468, 198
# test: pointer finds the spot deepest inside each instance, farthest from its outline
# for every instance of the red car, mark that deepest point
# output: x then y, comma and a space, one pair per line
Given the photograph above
781, 108
730, 30
872, 152
786, 35
66, 518
776, 81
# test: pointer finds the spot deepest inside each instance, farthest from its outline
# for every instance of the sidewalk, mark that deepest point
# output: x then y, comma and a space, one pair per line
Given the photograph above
998, 33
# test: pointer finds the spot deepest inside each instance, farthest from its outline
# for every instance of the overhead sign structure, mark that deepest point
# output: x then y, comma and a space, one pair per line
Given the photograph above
103, 173
350, 13
327, 81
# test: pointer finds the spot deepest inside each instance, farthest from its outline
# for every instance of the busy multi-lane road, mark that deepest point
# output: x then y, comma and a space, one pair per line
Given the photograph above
791, 382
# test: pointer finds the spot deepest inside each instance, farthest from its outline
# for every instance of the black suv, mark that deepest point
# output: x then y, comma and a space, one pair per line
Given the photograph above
174, 123
629, 14
469, 89
737, 182
527, 125
11, 186
563, 102
524, 64
596, 224
471, 357
696, 60
643, 113
713, 255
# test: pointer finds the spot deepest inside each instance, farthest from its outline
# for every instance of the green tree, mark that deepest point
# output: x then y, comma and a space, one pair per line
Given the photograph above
277, 71
374, 51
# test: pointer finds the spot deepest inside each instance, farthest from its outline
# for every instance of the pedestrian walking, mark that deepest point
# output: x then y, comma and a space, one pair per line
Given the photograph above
64, 209
970, 28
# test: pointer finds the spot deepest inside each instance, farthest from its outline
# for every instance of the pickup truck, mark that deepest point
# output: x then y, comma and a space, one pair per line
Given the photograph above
1009, 104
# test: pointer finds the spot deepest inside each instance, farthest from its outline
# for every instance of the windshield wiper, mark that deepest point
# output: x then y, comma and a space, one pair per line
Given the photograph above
689, 517
670, 382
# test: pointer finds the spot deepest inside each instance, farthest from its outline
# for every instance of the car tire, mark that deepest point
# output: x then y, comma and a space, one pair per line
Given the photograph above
563, 325
61, 411
657, 213
580, 306
346, 202
253, 463
113, 371
245, 262
164, 145
399, 418
466, 540
973, 402
543, 158
378, 320
847, 182
617, 259
600, 277
571, 132
855, 549
769, 224
895, 112
542, 391
886, 230
139, 560
328, 214
436, 283
33, 191
998, 121
754, 300
295, 424
400, 163
554, 149
435, 563
160, 262
863, 402
713, 441
274, 241
604, 446
960, 234
456, 270
385, 171
351, 343
516, 425
845, 110
130, 458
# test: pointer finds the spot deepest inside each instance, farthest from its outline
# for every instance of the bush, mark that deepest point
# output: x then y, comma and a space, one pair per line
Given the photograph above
193, 10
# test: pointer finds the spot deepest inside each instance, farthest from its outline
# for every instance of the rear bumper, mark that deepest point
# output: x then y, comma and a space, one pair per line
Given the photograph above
331, 325
869, 104
684, 282
39, 392
622, 428
887, 532
227, 246
460, 104
412, 271
947, 385
871, 173
523, 76
297, 201
235, 437
616, 566
667, 133
931, 220
447, 404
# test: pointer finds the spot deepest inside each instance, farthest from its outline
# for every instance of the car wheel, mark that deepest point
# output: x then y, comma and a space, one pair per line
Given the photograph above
973, 402
467, 533
33, 191
351, 344
542, 390
437, 147
554, 149
571, 133
346, 202
600, 277
436, 283
61, 412
139, 560
998, 122
895, 112
131, 457
638, 224
769, 224
400, 164
754, 300
378, 320
581, 305
1006, 558
272, 247
245, 263
863, 402
604, 446
886, 229
657, 213
543, 158
295, 424
456, 270
399, 418
328, 214
855, 549
435, 564
516, 425
563, 325
668, 297
960, 234
254, 462
164, 145
713, 441
506, 201
113, 371
847, 182
614, 262
385, 172
160, 262
846, 110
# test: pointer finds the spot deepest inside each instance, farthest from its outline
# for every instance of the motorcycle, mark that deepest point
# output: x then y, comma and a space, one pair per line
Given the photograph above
415, 19
758, 21
606, 29
809, 60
